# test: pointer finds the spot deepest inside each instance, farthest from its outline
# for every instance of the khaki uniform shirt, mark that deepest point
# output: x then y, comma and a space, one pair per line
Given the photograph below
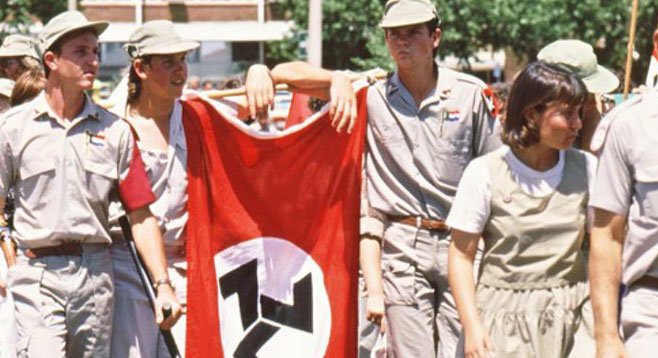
416, 154
65, 172
627, 183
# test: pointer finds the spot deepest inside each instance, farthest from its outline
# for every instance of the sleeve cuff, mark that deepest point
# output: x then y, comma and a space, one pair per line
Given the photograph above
372, 227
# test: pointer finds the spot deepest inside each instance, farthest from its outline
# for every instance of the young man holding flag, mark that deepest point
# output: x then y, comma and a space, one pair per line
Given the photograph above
425, 123
155, 108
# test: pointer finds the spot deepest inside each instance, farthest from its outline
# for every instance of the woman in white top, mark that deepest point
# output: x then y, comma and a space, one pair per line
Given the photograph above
528, 201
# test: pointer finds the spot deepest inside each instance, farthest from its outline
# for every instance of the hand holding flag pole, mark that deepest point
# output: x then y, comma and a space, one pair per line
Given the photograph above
148, 285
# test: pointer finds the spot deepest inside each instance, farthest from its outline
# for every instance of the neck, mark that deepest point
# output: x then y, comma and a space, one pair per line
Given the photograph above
538, 157
417, 82
66, 102
150, 107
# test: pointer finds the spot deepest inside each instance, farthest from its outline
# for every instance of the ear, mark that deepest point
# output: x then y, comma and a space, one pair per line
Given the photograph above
655, 39
530, 114
49, 60
436, 37
140, 68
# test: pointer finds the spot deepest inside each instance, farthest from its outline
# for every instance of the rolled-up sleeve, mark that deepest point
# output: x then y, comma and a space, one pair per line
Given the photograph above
486, 128
613, 184
134, 186
371, 221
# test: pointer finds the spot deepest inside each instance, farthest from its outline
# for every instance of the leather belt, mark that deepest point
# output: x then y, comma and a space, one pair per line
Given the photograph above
67, 249
421, 223
647, 281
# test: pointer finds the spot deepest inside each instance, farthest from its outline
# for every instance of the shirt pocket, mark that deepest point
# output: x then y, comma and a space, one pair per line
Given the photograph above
391, 133
647, 190
37, 180
101, 175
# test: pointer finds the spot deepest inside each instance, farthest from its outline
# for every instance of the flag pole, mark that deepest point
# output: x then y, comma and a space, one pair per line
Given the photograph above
215, 94
631, 48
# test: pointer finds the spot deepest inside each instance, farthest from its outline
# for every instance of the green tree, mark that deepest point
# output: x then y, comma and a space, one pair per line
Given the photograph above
351, 38
18, 15
346, 29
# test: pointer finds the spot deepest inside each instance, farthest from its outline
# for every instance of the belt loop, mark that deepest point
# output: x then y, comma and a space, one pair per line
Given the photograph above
419, 221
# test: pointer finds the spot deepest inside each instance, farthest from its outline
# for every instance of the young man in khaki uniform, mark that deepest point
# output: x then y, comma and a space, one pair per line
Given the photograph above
624, 242
425, 124
65, 158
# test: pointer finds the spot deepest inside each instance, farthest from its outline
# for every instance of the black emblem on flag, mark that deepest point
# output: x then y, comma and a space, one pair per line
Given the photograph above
243, 281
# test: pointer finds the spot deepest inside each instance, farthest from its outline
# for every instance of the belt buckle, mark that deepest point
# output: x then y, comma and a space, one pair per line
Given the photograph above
419, 222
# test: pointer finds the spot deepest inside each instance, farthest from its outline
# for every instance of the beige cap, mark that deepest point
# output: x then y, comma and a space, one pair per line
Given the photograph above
6, 87
407, 12
580, 58
157, 37
18, 46
66, 23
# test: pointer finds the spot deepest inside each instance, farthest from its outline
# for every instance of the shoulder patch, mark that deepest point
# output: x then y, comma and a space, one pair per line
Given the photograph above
464, 77
601, 133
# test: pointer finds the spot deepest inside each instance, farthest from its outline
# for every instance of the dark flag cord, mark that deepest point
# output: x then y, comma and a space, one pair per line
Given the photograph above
148, 285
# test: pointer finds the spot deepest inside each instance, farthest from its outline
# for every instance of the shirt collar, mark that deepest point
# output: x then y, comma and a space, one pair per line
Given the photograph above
41, 106
444, 84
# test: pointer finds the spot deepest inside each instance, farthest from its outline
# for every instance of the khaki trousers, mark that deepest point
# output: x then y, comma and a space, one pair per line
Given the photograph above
420, 310
639, 321
63, 304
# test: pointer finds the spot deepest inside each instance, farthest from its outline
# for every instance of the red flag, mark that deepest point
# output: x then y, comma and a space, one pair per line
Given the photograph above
272, 238
299, 109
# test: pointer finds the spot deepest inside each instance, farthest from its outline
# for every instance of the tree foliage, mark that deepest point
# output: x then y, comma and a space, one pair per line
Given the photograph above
18, 15
351, 38
346, 29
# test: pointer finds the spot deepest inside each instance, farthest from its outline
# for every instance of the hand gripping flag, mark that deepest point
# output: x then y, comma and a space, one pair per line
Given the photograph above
272, 237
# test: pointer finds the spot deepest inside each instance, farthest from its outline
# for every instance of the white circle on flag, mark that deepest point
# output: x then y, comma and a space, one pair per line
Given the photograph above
267, 272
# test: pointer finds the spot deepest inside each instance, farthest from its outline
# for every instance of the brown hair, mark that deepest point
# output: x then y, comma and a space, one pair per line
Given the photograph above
28, 85
134, 82
536, 87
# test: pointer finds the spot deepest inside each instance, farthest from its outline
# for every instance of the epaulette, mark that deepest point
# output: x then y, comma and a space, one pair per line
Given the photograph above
601, 133
488, 94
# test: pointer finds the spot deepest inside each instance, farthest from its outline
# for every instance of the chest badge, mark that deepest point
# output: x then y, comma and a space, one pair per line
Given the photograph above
452, 115
95, 139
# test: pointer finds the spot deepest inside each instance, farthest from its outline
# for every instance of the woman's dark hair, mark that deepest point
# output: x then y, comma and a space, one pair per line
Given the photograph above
537, 86
134, 82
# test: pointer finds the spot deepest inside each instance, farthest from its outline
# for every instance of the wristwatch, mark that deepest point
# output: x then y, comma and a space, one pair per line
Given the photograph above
164, 281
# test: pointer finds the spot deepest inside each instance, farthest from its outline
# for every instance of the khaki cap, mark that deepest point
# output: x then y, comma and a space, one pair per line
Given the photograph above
407, 12
157, 37
579, 57
6, 87
66, 23
18, 46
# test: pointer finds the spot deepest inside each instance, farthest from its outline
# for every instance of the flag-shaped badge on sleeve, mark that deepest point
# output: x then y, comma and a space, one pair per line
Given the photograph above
272, 237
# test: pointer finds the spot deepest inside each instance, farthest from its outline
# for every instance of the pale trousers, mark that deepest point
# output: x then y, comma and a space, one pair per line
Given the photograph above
639, 321
420, 310
135, 333
7, 324
63, 304
369, 333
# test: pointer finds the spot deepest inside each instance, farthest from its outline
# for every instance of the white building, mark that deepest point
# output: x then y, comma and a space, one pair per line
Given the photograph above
232, 32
